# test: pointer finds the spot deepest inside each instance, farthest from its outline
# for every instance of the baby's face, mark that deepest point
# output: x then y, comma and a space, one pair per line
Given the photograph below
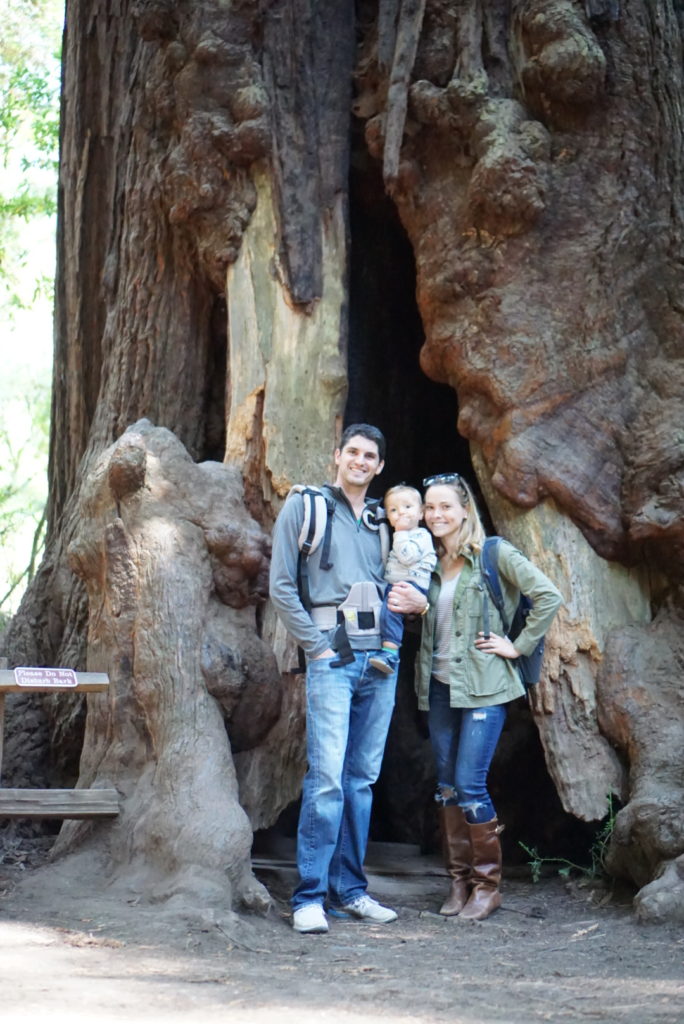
404, 510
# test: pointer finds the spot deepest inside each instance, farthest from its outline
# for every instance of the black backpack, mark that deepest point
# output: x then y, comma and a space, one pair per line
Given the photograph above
528, 665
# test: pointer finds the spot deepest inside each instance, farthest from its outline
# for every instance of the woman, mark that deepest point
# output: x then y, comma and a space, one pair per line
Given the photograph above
465, 680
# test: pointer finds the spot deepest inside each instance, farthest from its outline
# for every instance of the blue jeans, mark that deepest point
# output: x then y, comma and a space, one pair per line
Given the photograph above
463, 742
348, 712
392, 623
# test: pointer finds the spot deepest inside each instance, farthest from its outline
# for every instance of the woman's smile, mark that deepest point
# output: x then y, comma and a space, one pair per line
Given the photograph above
443, 513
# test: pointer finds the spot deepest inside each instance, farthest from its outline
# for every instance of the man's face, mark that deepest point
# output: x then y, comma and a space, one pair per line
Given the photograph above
357, 463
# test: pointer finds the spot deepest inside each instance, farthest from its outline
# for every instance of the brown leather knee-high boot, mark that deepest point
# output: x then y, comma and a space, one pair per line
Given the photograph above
486, 874
457, 858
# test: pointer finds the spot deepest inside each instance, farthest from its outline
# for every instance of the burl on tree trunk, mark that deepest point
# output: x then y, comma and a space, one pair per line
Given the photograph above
173, 566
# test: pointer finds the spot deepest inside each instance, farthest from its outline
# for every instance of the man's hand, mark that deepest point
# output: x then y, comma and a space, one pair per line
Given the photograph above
495, 644
406, 599
329, 653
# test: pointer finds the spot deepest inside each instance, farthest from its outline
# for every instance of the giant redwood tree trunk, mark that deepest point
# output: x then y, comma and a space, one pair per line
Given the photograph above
169, 143
533, 152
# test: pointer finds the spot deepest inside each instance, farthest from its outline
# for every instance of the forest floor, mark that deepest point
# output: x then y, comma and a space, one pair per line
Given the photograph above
557, 950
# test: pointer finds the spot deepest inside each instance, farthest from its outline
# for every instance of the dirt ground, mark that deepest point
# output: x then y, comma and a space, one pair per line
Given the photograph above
556, 951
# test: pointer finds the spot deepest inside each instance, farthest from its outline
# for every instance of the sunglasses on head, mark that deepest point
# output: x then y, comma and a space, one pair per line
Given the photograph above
442, 478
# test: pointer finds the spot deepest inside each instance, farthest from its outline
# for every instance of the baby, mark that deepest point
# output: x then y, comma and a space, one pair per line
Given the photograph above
412, 558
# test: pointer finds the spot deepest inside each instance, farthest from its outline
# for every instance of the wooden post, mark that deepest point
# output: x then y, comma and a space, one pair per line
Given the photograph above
59, 803
52, 803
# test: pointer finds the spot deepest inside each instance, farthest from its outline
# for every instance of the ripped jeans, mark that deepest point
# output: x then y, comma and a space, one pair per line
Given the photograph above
463, 742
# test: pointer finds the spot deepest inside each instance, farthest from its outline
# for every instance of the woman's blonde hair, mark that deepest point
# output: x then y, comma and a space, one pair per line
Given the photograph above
472, 534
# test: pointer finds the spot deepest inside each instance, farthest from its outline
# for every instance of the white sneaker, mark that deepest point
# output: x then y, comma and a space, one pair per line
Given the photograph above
310, 919
367, 909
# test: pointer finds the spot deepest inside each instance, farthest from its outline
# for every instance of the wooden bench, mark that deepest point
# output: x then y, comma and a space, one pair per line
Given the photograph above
53, 803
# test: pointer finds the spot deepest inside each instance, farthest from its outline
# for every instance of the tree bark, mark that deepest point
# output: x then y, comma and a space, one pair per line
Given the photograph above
640, 698
539, 183
599, 596
155, 194
533, 151
173, 567
545, 341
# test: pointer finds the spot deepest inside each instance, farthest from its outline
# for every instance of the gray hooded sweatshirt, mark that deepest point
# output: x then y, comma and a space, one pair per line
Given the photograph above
355, 554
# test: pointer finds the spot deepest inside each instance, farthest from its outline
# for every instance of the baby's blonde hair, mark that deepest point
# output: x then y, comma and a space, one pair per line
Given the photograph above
403, 487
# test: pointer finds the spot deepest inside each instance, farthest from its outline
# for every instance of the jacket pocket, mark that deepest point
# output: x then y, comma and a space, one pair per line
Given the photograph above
486, 675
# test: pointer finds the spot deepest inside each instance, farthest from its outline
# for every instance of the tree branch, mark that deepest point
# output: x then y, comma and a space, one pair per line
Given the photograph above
408, 34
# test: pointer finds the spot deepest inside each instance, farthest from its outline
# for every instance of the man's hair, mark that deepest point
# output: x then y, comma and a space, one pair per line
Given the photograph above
367, 431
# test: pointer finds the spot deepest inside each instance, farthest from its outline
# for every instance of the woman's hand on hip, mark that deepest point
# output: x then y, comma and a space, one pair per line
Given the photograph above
406, 599
495, 644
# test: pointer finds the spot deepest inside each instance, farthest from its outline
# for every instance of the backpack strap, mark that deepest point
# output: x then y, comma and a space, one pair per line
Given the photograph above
374, 518
325, 563
315, 515
528, 665
319, 509
489, 564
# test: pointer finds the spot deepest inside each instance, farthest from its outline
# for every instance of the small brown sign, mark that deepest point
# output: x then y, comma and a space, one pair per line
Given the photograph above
45, 677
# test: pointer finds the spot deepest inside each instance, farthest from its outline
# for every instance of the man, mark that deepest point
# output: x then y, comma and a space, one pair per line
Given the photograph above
348, 703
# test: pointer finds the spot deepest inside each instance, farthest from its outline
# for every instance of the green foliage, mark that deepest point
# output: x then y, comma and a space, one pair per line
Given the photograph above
597, 853
30, 106
30, 41
602, 839
29, 133
24, 438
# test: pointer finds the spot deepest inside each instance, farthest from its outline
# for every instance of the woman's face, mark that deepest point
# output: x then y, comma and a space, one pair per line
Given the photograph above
443, 512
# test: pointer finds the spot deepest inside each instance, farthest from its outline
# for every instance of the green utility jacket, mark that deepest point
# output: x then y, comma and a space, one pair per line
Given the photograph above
478, 679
